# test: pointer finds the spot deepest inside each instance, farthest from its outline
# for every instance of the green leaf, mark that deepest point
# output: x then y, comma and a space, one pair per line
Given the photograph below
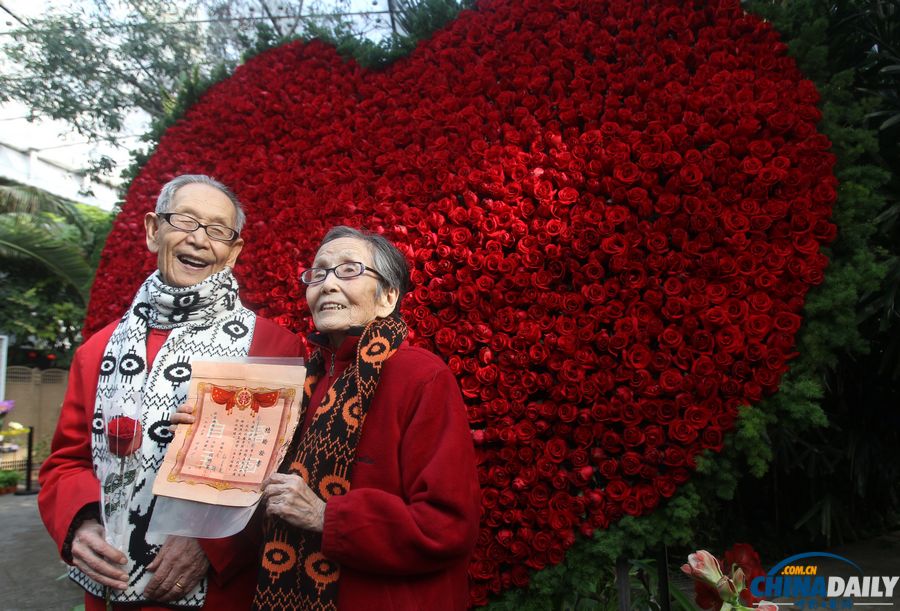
21, 238
682, 602
588, 604
18, 198
895, 120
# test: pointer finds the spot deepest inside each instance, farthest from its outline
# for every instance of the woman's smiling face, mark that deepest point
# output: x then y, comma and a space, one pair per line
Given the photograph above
339, 304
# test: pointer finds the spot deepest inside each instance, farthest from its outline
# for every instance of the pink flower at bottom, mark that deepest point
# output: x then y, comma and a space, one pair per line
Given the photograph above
704, 567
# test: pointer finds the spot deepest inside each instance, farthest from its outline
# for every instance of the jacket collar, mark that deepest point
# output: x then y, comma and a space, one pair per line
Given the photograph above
345, 351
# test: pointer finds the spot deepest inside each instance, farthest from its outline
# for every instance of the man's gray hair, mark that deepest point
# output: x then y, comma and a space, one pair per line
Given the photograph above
167, 194
389, 262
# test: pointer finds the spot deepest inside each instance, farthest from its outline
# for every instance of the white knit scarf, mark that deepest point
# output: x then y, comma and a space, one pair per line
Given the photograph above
207, 321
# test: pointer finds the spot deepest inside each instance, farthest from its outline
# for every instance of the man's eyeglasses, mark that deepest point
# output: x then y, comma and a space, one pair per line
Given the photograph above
350, 269
186, 222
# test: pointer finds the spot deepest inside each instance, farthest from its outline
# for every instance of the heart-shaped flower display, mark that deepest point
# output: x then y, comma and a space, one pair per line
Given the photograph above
613, 211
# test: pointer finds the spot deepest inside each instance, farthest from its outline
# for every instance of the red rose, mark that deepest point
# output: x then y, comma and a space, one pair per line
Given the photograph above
567, 195
632, 506
691, 175
631, 463
653, 436
639, 356
670, 380
682, 432
743, 555
787, 322
665, 486
617, 490
124, 436
609, 468
696, 416
541, 542
648, 496
555, 449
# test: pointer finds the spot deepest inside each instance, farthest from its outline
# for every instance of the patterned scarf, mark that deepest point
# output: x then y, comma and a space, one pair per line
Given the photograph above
295, 574
207, 321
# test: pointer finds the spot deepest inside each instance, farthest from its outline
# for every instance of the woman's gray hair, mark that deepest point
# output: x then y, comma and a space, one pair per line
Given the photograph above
389, 262
167, 193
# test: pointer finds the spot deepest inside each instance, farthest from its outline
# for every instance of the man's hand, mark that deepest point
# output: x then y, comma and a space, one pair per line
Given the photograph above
178, 567
96, 558
289, 498
184, 415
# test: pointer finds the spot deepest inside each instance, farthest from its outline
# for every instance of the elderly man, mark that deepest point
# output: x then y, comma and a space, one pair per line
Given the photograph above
188, 309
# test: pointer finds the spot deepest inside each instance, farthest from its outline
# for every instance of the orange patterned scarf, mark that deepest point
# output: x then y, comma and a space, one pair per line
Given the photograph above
295, 574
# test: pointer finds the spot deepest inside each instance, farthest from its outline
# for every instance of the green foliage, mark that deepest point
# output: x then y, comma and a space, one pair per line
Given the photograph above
49, 248
603, 595
192, 85
41, 449
8, 478
63, 237
419, 19
90, 68
588, 570
39, 314
35, 238
25, 199
416, 20
869, 37
843, 477
99, 65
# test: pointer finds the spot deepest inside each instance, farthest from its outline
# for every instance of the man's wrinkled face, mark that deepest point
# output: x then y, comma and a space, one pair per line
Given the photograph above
185, 258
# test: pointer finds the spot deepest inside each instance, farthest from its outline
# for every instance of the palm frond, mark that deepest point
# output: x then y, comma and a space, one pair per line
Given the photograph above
21, 239
19, 198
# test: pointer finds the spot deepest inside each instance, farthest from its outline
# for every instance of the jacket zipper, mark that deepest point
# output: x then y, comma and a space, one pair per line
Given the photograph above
332, 364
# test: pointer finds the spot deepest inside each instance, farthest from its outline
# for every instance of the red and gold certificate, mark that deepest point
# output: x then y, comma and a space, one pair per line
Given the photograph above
245, 415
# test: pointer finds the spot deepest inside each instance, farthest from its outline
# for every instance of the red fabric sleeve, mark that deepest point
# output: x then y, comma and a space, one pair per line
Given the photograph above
229, 556
434, 523
271, 339
67, 477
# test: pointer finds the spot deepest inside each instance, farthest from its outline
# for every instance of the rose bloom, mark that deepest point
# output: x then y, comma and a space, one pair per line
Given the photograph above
124, 436
665, 486
632, 506
556, 449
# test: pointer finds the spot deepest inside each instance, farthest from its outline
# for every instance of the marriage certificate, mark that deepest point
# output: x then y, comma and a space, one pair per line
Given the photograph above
245, 417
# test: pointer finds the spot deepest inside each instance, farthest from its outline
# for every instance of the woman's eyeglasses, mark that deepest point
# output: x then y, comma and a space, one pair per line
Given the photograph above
350, 269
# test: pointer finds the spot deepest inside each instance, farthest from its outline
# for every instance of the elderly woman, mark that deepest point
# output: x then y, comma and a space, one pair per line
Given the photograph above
377, 503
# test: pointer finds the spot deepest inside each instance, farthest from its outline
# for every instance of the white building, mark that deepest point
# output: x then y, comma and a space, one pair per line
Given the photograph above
29, 167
